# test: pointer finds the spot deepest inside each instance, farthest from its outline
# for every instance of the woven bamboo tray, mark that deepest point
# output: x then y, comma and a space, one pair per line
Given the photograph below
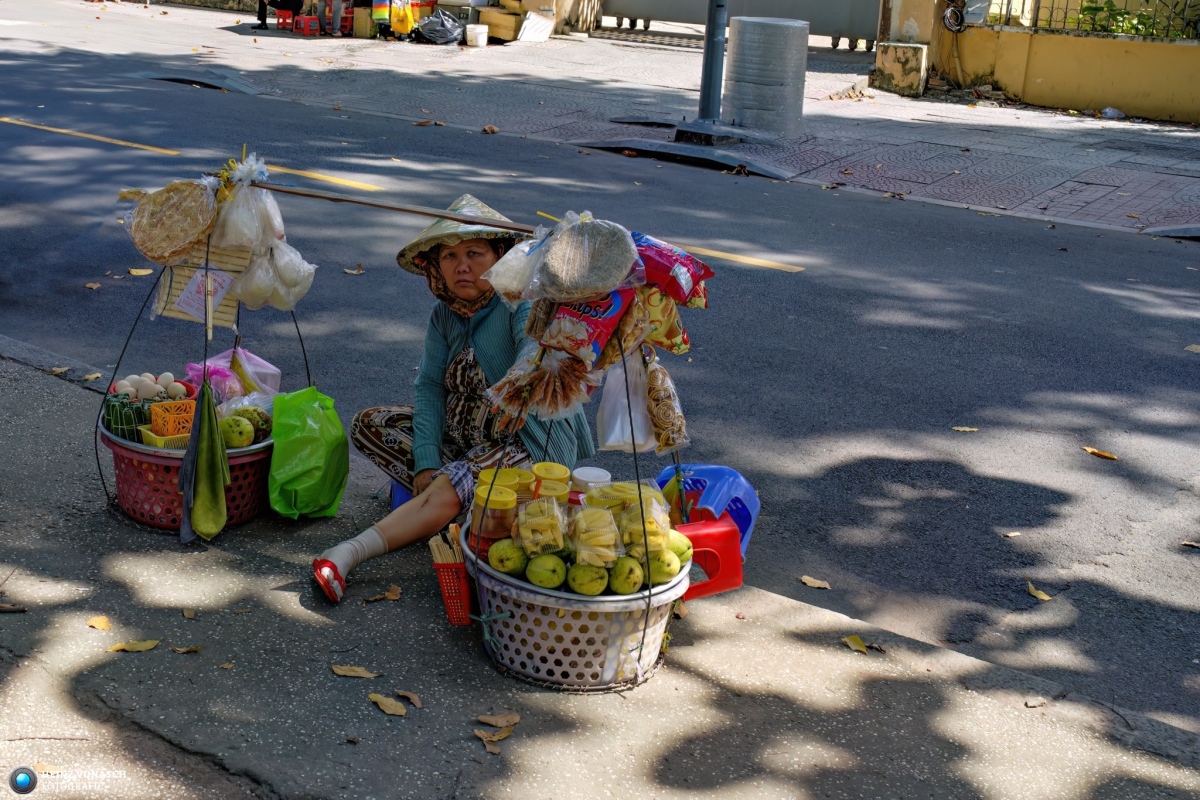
233, 261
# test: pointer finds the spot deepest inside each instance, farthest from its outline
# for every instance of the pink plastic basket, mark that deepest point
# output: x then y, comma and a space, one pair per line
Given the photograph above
148, 486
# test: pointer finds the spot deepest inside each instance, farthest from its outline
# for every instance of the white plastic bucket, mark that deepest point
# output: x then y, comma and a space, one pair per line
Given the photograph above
477, 35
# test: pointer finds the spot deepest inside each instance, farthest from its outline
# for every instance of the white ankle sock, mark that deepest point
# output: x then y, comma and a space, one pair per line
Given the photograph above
349, 554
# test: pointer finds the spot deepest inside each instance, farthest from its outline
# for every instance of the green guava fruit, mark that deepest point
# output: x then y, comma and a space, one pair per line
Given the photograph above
680, 545
664, 565
547, 571
586, 579
626, 576
237, 432
507, 557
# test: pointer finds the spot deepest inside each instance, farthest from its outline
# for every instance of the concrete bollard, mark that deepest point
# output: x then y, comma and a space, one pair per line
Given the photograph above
764, 74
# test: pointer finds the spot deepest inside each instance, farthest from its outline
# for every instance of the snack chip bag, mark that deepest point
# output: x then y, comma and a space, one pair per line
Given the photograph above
675, 272
666, 328
583, 328
666, 413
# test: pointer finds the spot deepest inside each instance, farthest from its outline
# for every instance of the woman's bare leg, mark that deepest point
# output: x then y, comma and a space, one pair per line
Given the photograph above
418, 519
423, 516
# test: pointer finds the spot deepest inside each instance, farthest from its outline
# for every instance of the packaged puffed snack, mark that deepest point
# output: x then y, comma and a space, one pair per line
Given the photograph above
666, 328
674, 271
541, 527
583, 328
666, 414
595, 538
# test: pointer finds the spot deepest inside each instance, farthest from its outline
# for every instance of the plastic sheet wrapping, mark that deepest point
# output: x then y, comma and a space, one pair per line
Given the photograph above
224, 381
583, 258
646, 526
512, 274
293, 276
249, 218
666, 413
613, 430
168, 223
254, 286
440, 28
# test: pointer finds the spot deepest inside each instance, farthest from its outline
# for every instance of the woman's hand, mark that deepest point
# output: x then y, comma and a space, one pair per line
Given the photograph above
422, 480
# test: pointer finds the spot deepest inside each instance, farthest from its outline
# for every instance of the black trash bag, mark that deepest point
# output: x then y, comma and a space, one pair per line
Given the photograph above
440, 28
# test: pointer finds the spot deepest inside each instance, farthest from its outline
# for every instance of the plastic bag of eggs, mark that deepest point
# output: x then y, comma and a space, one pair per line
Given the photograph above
148, 387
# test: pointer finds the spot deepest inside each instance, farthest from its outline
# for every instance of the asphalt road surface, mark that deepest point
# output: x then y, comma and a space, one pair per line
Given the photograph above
834, 390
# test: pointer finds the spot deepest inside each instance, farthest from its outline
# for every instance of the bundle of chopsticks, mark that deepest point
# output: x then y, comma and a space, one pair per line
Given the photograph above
445, 547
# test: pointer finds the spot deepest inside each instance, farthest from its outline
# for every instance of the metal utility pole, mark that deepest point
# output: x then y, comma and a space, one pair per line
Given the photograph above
713, 70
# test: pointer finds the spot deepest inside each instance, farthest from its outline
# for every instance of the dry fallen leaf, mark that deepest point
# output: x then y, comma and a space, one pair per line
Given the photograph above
739, 615
226, 665
137, 273
392, 593
99, 623
1011, 534
91, 376
1038, 593
1100, 453
46, 769
337, 108
855, 643
1193, 348
439, 123
189, 613
388, 705
182, 650
500, 720
490, 738
845, 172
135, 647
423, 123
814, 583
57, 370
358, 270
411, 697
352, 739
93, 286
12, 608
353, 672
876, 647
964, 429
241, 611
681, 610
1134, 216
1191, 544
490, 129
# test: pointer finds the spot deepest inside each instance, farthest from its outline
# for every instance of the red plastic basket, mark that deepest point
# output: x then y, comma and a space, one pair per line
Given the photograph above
456, 592
148, 486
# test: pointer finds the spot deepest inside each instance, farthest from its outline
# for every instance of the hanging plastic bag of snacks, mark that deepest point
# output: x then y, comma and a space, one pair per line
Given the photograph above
662, 402
676, 272
583, 257
620, 426
512, 274
583, 328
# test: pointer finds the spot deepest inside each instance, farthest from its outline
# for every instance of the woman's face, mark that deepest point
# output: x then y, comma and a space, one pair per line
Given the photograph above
464, 263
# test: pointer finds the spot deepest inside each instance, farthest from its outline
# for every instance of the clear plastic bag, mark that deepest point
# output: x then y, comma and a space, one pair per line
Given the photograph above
258, 376
512, 274
256, 399
541, 527
666, 413
595, 539
583, 258
620, 495
613, 430
547, 383
254, 286
224, 381
645, 526
293, 276
249, 218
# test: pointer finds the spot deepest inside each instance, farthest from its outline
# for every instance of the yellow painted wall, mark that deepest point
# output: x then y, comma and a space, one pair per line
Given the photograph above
1156, 80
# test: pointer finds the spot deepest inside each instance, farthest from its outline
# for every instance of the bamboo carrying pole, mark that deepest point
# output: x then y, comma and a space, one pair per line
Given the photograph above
421, 211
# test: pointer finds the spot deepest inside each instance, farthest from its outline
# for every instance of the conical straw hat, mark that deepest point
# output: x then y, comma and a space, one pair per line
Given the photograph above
449, 232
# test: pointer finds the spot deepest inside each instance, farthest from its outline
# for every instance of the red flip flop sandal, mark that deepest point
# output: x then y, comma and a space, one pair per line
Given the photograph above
325, 573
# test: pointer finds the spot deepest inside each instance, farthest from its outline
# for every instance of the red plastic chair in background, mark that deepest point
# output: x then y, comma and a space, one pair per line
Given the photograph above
283, 20
347, 27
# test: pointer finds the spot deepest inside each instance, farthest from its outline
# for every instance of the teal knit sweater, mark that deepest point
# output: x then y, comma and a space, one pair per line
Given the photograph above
495, 333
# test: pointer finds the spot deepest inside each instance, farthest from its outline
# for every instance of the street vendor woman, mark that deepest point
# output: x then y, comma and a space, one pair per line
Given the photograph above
436, 448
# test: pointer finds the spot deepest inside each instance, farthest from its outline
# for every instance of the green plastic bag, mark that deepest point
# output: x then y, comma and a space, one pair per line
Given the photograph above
310, 463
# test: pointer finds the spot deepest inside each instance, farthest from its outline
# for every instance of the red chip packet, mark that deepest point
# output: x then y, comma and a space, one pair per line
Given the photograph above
676, 272
582, 329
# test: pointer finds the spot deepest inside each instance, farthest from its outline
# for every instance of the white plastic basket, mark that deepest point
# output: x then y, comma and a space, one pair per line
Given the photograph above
569, 641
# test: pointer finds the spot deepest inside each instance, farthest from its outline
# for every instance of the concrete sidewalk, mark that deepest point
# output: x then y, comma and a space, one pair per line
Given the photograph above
1002, 159
758, 697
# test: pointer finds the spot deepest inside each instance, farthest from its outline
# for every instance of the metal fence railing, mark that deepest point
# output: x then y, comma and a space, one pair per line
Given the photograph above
1168, 19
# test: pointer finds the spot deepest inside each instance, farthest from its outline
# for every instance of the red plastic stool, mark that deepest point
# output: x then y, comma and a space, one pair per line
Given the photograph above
307, 26
716, 549
348, 23
283, 20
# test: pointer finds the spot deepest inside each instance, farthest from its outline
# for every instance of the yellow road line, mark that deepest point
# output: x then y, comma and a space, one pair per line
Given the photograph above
757, 262
92, 136
369, 187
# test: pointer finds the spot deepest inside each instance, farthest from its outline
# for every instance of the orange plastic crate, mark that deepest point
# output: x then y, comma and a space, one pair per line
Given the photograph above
172, 418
